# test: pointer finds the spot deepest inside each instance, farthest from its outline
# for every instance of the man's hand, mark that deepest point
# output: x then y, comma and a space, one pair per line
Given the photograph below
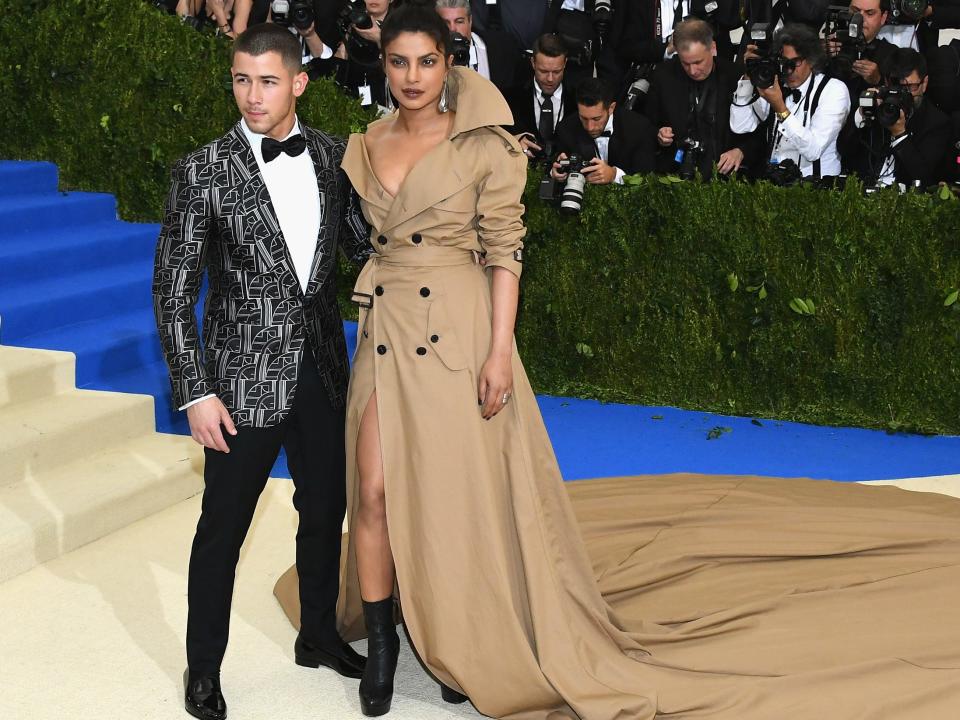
205, 419
868, 70
730, 161
751, 53
341, 52
529, 147
832, 46
774, 96
599, 173
372, 34
899, 127
555, 170
665, 136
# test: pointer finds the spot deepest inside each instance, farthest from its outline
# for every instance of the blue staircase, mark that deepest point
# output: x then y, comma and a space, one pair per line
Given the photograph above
73, 277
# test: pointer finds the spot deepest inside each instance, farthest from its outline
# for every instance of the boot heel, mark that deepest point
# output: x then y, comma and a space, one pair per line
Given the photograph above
305, 662
371, 709
452, 696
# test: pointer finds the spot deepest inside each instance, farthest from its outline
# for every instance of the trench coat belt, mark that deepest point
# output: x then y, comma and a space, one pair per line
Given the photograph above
407, 257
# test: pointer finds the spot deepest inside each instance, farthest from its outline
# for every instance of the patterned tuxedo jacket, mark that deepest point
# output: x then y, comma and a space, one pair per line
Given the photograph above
219, 218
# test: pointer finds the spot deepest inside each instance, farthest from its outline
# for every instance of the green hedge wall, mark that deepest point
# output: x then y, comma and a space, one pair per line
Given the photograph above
808, 305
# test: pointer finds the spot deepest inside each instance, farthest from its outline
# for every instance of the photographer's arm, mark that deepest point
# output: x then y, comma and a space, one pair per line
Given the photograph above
241, 15
746, 116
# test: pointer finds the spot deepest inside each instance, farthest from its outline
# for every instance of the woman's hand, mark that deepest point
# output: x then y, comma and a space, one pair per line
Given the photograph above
496, 383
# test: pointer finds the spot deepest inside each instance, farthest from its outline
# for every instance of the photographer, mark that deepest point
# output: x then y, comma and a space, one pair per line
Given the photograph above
618, 142
318, 37
495, 55
690, 104
539, 106
901, 137
586, 27
802, 111
199, 12
521, 19
360, 70
857, 61
938, 15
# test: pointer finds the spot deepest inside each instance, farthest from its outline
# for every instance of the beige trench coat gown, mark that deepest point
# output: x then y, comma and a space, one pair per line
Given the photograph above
674, 597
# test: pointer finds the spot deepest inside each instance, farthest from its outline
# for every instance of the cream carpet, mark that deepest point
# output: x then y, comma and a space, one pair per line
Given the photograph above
98, 633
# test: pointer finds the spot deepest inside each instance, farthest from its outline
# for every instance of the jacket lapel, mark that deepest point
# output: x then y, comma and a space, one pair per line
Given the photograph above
434, 178
330, 210
262, 222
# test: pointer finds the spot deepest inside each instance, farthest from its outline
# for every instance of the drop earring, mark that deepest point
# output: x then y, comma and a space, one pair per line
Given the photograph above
444, 104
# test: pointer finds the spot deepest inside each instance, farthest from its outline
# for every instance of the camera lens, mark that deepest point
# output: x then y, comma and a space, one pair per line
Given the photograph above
571, 201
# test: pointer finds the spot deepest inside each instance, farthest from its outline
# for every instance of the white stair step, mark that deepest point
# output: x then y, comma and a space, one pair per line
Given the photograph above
40, 435
27, 374
45, 515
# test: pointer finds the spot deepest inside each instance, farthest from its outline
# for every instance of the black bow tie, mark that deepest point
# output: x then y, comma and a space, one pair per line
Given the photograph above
292, 146
606, 134
794, 94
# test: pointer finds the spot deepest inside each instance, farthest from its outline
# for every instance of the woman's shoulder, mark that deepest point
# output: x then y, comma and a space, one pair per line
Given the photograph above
491, 139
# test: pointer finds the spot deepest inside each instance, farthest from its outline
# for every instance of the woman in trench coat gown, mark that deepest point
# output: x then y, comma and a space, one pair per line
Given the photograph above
678, 597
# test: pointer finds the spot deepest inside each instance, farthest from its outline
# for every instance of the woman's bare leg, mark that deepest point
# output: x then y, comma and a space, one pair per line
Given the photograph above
374, 557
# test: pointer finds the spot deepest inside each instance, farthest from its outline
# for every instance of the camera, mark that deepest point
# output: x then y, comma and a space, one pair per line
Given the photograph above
602, 12
906, 12
639, 85
570, 194
785, 173
460, 49
362, 52
764, 69
298, 13
847, 27
196, 23
689, 151
883, 106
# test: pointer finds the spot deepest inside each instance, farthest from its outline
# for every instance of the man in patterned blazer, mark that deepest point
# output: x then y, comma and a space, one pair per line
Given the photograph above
262, 210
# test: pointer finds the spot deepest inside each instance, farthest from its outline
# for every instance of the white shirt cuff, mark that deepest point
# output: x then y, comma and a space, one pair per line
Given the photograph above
327, 52
618, 179
744, 91
198, 400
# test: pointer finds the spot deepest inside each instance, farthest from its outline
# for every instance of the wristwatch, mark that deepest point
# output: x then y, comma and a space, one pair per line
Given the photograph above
783, 115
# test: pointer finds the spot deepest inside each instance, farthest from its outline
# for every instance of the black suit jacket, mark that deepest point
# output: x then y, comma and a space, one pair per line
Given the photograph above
918, 157
632, 146
257, 321
946, 15
521, 102
521, 19
505, 58
668, 105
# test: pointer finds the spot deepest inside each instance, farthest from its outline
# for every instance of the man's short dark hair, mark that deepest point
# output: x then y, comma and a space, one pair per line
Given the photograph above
550, 45
904, 61
804, 40
692, 31
260, 39
594, 90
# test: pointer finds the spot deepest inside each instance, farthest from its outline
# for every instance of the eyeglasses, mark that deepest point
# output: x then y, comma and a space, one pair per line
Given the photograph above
790, 64
911, 85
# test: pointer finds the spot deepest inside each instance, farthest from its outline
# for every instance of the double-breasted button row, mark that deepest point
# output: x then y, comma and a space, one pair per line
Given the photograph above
378, 290
417, 238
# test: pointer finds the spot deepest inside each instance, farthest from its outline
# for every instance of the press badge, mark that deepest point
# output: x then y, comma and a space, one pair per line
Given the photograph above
366, 97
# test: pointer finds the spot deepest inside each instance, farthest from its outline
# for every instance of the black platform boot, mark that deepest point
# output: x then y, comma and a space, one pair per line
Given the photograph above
452, 696
383, 647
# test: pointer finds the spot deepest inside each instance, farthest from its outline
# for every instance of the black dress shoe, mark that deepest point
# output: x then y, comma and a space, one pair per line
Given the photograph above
452, 696
340, 658
202, 697
383, 648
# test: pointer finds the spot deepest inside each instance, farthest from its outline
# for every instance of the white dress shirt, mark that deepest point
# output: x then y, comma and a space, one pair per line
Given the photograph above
804, 136
556, 100
904, 36
292, 185
478, 55
573, 5
603, 148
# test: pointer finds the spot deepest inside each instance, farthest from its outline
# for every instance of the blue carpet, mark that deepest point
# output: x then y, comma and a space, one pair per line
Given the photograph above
73, 277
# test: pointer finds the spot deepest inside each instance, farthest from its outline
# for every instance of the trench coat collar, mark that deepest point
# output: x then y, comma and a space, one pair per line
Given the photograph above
442, 172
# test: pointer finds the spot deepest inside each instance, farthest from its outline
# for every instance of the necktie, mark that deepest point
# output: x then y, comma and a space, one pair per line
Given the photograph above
292, 146
545, 126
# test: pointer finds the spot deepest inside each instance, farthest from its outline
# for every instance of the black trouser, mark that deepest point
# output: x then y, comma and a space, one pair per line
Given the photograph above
312, 435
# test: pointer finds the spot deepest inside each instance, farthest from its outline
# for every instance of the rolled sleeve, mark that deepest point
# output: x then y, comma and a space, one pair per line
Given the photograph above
499, 206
